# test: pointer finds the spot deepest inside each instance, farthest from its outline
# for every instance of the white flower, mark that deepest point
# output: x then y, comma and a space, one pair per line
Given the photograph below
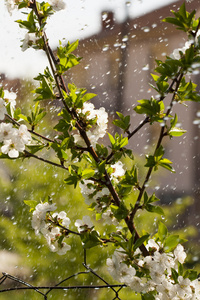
152, 244
39, 215
29, 40
138, 285
166, 289
7, 131
115, 264
52, 236
86, 190
57, 4
118, 171
83, 224
12, 147
109, 218
10, 97
2, 109
180, 254
98, 130
11, 5
176, 52
183, 288
62, 218
24, 134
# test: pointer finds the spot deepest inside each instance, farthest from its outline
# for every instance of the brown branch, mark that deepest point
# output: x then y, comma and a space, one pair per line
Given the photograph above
29, 154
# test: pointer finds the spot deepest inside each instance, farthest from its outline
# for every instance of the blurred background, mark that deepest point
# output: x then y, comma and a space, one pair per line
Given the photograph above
119, 42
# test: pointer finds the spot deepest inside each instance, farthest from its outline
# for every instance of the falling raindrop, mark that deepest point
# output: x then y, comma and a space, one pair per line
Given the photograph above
146, 67
105, 47
123, 46
146, 29
117, 44
104, 16
125, 38
86, 67
128, 3
196, 122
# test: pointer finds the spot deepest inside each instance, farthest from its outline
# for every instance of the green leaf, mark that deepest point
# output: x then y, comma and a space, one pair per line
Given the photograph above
176, 131
88, 96
154, 209
35, 148
140, 241
148, 296
174, 275
31, 203
162, 231
87, 173
90, 239
120, 212
191, 274
171, 242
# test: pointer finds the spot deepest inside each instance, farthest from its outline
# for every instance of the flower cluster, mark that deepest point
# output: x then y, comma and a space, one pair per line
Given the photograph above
83, 224
55, 227
177, 53
8, 99
29, 40
97, 130
13, 139
154, 273
56, 4
118, 171
43, 222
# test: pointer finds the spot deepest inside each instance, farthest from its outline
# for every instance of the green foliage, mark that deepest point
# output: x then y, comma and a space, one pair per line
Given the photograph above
152, 108
123, 121
183, 19
37, 114
92, 164
156, 160
67, 60
46, 88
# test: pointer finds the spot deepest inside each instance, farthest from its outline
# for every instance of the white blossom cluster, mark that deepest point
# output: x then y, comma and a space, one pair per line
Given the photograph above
118, 171
52, 234
56, 4
29, 40
13, 139
176, 53
158, 270
98, 130
90, 192
43, 222
83, 224
93, 193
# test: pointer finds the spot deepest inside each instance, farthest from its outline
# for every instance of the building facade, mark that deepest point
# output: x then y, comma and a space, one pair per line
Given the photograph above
116, 65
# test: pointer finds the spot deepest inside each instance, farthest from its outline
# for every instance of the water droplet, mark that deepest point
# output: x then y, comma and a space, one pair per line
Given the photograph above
146, 29
146, 67
105, 48
196, 122
123, 46
128, 3
86, 67
104, 15
125, 38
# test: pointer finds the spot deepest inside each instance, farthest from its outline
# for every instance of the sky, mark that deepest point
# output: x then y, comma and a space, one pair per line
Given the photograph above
81, 18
